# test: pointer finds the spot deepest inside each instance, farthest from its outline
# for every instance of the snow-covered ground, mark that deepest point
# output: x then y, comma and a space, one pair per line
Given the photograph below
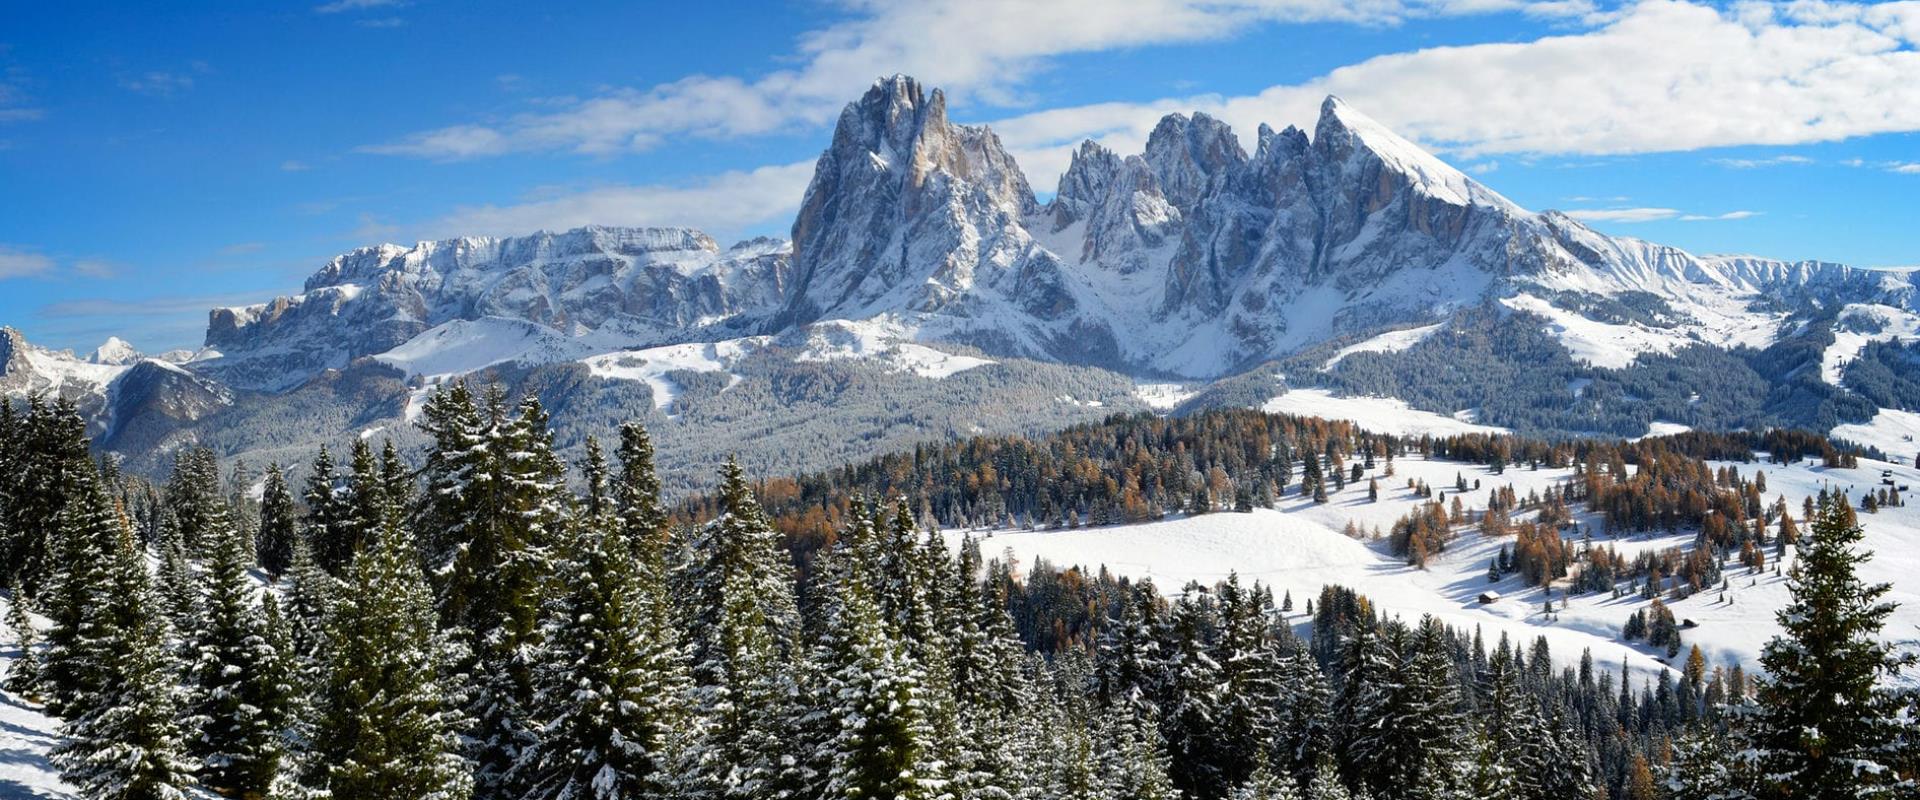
1855, 331
1301, 546
1163, 396
1896, 433
1389, 342
26, 736
1377, 414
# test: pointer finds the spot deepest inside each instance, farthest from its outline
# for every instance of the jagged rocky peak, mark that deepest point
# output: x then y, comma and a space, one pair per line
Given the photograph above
1187, 153
1352, 144
1120, 201
908, 212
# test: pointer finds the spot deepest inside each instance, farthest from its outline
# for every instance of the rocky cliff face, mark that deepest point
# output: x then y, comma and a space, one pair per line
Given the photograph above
649, 285
914, 217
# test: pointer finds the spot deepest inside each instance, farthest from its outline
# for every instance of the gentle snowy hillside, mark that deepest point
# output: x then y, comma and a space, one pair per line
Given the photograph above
1301, 546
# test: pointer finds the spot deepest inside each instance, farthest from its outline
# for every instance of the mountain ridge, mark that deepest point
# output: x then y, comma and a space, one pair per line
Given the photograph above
1331, 259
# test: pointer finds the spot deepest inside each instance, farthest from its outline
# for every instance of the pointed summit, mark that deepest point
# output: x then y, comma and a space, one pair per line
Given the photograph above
1346, 137
115, 351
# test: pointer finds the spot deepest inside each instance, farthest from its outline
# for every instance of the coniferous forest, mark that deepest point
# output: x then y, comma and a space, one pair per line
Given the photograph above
490, 622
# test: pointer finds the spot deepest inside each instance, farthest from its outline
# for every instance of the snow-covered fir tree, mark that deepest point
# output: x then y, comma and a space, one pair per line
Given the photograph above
123, 739
1827, 725
385, 725
279, 523
240, 694
612, 687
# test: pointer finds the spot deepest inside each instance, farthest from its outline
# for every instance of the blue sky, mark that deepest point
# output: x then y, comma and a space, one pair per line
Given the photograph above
160, 159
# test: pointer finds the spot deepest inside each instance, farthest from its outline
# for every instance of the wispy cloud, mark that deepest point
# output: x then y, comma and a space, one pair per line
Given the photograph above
95, 268
17, 263
14, 104
1756, 163
24, 262
724, 205
382, 22
158, 83
291, 165
1910, 168
339, 6
242, 248
1649, 214
1622, 214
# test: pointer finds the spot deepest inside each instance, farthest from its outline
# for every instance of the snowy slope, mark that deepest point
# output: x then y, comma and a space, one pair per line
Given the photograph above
1378, 414
26, 736
1301, 546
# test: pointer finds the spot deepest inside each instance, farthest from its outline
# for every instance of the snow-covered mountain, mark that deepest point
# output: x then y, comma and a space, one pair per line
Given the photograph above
644, 285
1347, 258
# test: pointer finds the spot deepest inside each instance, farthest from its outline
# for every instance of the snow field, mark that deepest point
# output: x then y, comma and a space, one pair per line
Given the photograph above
1300, 547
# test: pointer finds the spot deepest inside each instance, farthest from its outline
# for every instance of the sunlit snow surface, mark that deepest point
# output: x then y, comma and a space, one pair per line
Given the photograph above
1301, 546
26, 736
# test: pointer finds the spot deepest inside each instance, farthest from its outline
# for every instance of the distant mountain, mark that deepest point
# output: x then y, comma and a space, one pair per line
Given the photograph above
1349, 259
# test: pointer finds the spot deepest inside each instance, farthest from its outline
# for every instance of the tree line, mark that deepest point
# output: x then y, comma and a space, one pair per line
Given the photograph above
474, 626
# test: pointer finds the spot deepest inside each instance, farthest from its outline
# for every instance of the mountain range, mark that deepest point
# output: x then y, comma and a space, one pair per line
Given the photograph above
926, 291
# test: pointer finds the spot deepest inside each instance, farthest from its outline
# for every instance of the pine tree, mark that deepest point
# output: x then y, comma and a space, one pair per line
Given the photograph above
1193, 698
240, 696
611, 683
279, 527
327, 516
79, 585
179, 589
884, 744
1266, 785
496, 509
385, 727
735, 589
1326, 783
125, 743
1826, 726
192, 491
23, 675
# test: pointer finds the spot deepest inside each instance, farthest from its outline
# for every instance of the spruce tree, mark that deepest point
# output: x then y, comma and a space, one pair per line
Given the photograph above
884, 743
327, 518
611, 683
279, 525
125, 742
240, 696
79, 585
23, 675
385, 727
1265, 784
1826, 725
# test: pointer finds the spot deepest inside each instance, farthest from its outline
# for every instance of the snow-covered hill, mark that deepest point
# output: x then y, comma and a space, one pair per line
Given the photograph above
1301, 546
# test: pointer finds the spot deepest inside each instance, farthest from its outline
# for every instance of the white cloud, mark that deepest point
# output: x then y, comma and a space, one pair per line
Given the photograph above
1623, 214
1905, 169
1756, 163
983, 50
724, 205
15, 263
339, 6
1631, 215
158, 83
1677, 76
291, 165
